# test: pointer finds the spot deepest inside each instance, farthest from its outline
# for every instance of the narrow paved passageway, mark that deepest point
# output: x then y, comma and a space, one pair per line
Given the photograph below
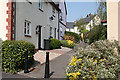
57, 65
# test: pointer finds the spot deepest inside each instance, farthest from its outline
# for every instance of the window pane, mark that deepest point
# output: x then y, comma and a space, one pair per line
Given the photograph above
50, 31
40, 4
25, 28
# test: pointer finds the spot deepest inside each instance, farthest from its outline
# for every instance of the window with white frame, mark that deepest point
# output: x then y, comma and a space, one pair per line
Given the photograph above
27, 28
40, 4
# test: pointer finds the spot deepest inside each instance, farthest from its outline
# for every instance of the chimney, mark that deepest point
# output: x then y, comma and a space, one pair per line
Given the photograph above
90, 14
75, 22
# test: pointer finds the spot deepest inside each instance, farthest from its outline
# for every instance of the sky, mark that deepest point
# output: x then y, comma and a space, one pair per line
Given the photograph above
77, 10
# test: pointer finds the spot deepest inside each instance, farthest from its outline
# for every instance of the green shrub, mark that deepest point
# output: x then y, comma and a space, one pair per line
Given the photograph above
72, 36
65, 44
98, 60
0, 52
55, 44
13, 55
97, 33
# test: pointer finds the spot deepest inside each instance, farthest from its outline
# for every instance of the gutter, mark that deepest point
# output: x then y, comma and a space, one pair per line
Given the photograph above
53, 4
15, 20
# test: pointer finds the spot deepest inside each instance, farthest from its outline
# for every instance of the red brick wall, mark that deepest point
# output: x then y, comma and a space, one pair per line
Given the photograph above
9, 20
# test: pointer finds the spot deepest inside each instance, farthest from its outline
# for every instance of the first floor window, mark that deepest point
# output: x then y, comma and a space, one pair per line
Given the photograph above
27, 28
40, 4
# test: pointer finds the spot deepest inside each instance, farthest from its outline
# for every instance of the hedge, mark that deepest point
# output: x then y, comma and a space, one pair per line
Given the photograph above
55, 44
100, 60
72, 36
13, 55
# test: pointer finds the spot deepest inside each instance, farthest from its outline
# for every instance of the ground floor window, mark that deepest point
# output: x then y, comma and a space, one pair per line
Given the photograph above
27, 28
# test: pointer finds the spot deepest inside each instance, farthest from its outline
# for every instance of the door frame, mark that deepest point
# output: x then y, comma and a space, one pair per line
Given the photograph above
39, 37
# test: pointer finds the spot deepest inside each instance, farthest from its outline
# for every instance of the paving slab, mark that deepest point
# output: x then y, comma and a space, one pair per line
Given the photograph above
40, 56
57, 67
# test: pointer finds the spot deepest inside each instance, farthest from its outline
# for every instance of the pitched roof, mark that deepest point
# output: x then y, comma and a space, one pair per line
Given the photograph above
87, 19
70, 25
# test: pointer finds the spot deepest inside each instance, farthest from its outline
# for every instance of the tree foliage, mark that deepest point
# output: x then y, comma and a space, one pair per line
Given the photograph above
97, 33
102, 9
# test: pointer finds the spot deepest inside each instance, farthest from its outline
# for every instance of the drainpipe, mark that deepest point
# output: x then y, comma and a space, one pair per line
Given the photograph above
58, 25
15, 20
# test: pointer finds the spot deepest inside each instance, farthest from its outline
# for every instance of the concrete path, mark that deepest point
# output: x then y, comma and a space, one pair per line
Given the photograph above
57, 65
40, 56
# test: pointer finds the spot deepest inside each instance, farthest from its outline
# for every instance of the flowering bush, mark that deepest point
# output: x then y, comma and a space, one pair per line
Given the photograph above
68, 43
72, 36
98, 60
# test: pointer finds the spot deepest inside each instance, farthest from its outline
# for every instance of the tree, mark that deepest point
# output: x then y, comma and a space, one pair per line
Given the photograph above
80, 23
97, 33
102, 9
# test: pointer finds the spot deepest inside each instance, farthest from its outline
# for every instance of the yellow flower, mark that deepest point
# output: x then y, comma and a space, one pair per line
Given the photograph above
79, 60
84, 78
69, 74
95, 62
82, 64
74, 75
94, 77
73, 61
102, 59
90, 59
70, 42
78, 73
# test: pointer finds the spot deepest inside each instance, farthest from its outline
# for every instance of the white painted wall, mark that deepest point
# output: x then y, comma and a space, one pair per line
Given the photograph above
64, 15
95, 21
112, 21
31, 12
3, 16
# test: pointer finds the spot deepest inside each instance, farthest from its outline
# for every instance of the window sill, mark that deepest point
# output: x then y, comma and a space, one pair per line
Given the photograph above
41, 9
27, 35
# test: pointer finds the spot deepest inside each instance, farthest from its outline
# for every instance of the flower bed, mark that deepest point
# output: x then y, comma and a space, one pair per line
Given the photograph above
98, 60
